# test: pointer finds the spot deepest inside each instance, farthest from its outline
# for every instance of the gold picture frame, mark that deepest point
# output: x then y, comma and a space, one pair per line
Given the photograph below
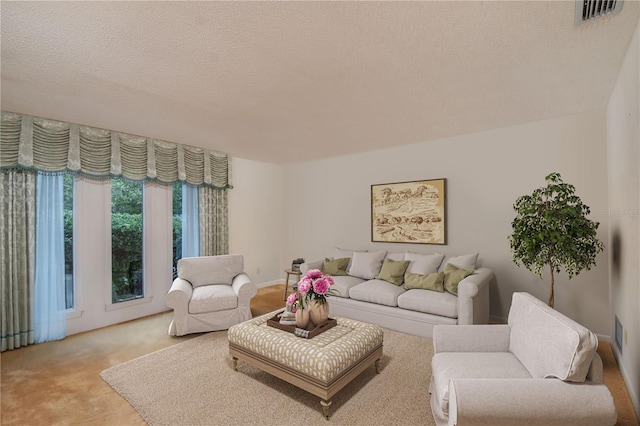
409, 212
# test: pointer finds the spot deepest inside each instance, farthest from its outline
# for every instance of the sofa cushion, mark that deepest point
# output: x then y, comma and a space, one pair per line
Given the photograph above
452, 277
335, 267
430, 302
548, 343
433, 282
366, 265
377, 291
207, 270
343, 283
212, 298
466, 261
393, 271
423, 264
339, 253
471, 365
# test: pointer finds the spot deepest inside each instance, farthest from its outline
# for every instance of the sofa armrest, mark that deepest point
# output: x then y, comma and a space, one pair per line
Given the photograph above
243, 287
179, 294
596, 370
471, 338
473, 297
306, 266
518, 401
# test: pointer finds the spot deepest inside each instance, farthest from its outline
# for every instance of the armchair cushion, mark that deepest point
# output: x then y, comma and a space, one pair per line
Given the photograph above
212, 298
207, 270
534, 326
476, 365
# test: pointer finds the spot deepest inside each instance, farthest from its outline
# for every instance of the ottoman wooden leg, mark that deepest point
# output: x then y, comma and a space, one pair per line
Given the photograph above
234, 362
325, 408
378, 365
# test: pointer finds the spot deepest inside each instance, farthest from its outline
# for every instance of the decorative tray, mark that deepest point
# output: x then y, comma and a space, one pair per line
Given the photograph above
310, 332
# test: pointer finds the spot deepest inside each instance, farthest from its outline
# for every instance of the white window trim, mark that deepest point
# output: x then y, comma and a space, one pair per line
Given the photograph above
129, 303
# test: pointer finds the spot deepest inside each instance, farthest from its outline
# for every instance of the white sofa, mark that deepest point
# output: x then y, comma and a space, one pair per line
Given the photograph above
210, 293
366, 297
539, 369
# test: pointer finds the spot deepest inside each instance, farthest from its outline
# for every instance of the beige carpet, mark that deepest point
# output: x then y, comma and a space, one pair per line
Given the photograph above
193, 383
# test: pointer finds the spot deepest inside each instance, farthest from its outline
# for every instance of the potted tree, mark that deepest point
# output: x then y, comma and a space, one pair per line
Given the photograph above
551, 229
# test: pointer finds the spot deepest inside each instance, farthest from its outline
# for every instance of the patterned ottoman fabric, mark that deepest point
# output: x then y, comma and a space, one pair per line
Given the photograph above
323, 357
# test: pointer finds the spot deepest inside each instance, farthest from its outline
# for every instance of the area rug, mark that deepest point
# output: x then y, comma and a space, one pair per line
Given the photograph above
193, 383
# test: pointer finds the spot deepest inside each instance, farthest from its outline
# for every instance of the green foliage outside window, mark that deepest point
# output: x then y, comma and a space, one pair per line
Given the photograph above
177, 226
126, 240
126, 234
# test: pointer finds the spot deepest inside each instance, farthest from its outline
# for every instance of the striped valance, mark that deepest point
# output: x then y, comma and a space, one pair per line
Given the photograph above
53, 146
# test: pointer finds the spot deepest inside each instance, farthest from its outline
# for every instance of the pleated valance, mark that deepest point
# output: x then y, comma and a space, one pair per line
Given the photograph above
53, 146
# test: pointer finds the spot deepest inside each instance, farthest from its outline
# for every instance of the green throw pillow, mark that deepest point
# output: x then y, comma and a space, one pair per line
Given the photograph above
393, 271
452, 277
434, 282
335, 266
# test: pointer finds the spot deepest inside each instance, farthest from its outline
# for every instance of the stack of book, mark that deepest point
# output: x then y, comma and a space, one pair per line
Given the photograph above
288, 318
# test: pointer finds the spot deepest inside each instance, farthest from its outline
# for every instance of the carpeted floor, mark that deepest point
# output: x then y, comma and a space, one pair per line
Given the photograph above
59, 383
194, 383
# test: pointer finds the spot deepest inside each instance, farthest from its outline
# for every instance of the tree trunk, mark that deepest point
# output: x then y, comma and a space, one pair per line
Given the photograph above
550, 302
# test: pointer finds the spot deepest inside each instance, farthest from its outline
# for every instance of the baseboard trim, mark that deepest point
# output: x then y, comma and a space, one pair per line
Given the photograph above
268, 283
625, 376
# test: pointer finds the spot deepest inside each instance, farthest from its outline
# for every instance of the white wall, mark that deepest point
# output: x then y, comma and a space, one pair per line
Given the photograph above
485, 173
623, 135
93, 257
256, 219
255, 230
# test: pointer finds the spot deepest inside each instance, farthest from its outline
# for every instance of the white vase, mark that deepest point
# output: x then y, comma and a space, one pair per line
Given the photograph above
302, 318
318, 312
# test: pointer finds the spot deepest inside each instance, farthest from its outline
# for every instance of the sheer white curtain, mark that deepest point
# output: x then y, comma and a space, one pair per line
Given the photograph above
190, 223
49, 315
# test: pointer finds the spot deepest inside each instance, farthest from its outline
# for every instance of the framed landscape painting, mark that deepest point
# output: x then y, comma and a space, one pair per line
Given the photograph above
409, 212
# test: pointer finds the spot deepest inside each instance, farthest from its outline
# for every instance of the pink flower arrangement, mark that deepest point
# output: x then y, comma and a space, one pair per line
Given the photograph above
315, 286
293, 301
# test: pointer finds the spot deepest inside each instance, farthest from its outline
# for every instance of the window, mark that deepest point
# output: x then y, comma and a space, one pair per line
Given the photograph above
186, 237
68, 241
127, 278
177, 226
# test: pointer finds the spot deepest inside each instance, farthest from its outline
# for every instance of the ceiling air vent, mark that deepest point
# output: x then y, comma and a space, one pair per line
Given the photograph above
587, 10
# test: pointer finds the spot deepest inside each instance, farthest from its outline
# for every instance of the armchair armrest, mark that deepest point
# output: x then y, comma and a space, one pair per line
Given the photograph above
243, 287
471, 338
179, 294
517, 401
306, 266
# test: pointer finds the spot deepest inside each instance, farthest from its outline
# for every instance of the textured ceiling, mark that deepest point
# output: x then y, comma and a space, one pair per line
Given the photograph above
284, 81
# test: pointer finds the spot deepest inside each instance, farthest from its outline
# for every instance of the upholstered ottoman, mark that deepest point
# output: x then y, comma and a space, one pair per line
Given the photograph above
322, 365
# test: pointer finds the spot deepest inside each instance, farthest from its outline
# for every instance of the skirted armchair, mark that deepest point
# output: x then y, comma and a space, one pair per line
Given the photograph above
541, 368
211, 293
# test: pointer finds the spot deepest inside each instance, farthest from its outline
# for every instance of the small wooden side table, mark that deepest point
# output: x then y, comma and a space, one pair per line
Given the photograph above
296, 275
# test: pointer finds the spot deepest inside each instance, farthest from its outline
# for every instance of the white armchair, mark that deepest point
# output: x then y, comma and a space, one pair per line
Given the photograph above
211, 293
541, 368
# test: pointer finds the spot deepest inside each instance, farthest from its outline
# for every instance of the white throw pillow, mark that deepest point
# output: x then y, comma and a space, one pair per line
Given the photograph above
339, 253
366, 265
423, 264
467, 261
395, 255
